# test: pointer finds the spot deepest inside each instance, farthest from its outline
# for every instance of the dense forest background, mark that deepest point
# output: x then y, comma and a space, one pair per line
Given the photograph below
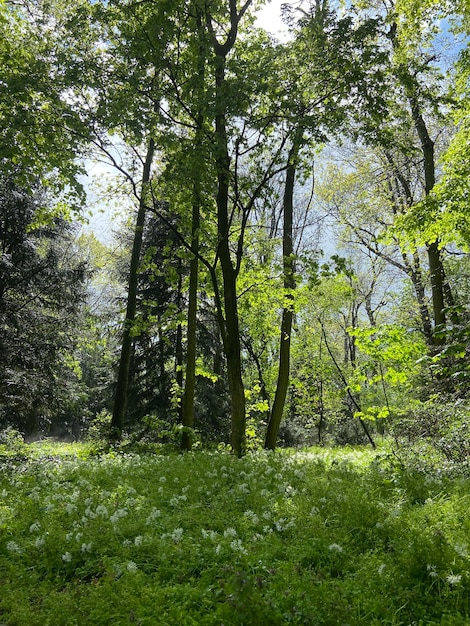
289, 256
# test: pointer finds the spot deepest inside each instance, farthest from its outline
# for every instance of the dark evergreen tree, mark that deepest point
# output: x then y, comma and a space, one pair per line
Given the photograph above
42, 288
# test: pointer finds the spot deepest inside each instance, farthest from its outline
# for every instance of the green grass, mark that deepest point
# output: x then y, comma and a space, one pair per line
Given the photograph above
312, 537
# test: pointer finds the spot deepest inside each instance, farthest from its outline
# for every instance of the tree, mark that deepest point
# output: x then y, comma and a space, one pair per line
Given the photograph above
42, 291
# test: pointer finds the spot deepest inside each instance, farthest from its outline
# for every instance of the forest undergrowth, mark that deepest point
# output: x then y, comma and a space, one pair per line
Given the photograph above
317, 536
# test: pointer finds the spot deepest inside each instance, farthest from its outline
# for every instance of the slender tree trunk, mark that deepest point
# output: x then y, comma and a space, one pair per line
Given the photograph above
187, 408
120, 397
229, 327
190, 378
179, 343
436, 270
289, 286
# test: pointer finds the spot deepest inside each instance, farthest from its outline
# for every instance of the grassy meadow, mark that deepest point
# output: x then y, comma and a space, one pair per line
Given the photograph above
319, 536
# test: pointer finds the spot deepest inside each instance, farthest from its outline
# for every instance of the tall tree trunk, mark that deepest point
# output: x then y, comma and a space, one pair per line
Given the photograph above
231, 336
187, 407
229, 326
179, 342
436, 269
187, 418
120, 397
289, 286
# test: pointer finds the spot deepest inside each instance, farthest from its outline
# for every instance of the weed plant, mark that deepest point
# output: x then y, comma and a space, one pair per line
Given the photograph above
316, 537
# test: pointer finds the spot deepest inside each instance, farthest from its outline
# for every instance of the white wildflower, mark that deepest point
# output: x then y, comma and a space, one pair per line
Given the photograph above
163, 479
237, 546
138, 540
335, 547
12, 546
251, 516
70, 508
101, 511
86, 547
132, 567
381, 568
462, 550
39, 542
35, 526
116, 516
230, 532
154, 514
176, 535
454, 579
67, 557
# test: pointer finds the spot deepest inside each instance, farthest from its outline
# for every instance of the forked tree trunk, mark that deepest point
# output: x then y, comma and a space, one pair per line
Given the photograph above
230, 330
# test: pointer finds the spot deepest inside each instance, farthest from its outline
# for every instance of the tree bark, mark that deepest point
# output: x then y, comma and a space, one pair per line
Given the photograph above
289, 286
120, 397
229, 326
190, 378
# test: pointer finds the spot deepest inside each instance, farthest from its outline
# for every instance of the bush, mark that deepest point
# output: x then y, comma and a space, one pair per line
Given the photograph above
442, 426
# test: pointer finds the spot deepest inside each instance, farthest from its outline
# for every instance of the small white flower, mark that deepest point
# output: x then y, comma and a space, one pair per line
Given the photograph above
78, 537
334, 547
454, 579
177, 534
39, 542
12, 546
67, 557
116, 516
230, 532
138, 540
86, 547
34, 527
154, 514
243, 488
237, 546
461, 549
251, 516
381, 568
218, 548
101, 511
70, 508
132, 567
